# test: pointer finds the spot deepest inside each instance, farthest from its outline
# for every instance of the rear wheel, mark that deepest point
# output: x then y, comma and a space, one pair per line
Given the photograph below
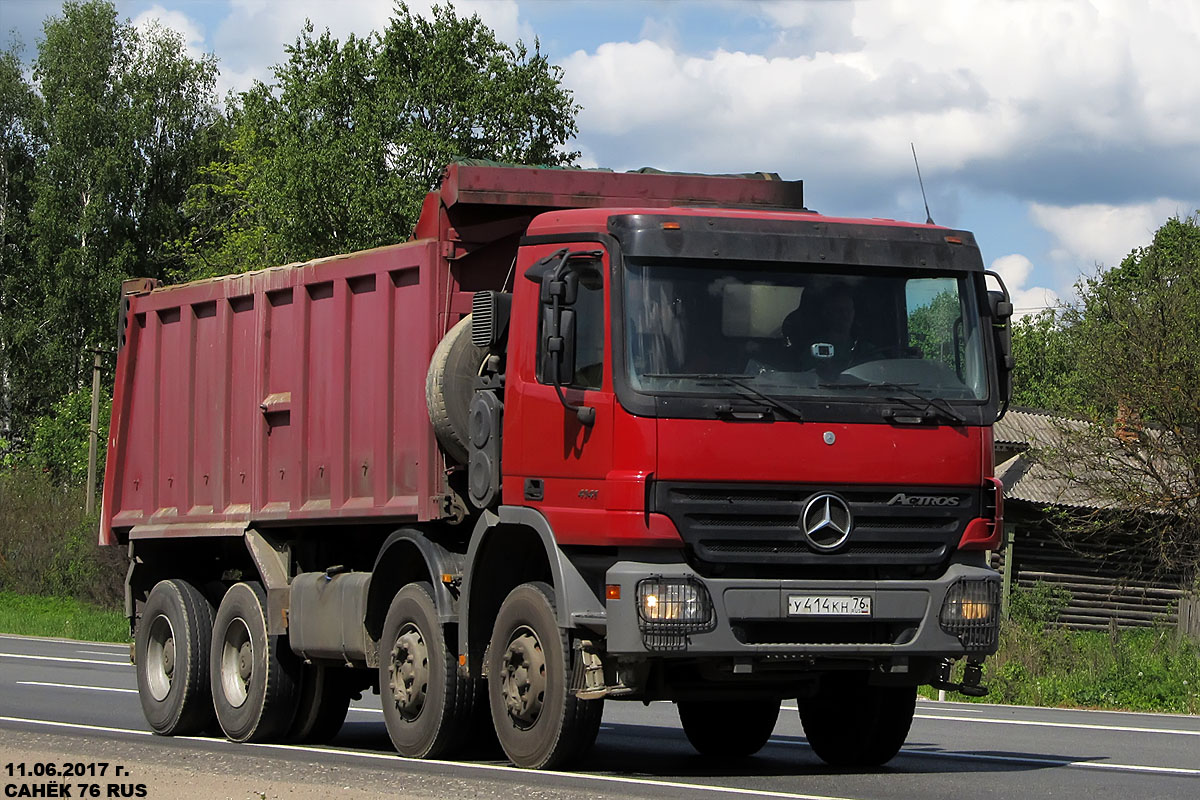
254, 676
324, 700
172, 651
426, 705
853, 724
539, 723
728, 728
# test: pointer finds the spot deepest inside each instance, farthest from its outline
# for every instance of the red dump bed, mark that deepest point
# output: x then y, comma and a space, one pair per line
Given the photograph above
297, 393
289, 393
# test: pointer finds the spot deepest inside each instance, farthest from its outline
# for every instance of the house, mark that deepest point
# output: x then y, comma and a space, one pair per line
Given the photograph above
1108, 587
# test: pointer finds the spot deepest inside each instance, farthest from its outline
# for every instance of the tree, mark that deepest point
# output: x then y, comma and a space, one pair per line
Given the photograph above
337, 153
1046, 375
123, 122
20, 145
1134, 340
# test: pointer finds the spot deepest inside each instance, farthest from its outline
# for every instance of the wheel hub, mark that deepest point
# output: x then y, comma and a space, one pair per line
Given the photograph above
160, 657
524, 677
245, 661
408, 673
237, 662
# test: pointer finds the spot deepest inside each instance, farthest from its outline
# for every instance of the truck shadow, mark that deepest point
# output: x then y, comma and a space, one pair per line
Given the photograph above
651, 751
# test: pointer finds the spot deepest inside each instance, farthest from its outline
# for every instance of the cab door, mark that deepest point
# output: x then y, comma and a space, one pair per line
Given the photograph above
552, 461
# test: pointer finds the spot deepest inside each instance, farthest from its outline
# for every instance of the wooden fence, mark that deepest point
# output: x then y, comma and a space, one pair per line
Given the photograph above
1104, 592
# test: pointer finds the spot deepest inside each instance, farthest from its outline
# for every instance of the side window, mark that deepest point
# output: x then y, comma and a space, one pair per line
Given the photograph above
589, 336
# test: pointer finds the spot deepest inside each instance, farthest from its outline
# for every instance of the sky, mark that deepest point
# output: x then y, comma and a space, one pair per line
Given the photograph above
1063, 133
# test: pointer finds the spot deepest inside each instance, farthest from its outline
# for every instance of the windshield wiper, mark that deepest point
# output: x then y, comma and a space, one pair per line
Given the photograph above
937, 405
736, 381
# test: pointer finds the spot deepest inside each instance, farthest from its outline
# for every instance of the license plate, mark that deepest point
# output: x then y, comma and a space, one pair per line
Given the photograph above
824, 605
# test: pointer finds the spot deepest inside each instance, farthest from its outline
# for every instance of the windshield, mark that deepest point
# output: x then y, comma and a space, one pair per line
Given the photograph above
800, 332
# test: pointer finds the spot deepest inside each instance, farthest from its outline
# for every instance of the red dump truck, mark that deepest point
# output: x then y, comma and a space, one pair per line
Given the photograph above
587, 435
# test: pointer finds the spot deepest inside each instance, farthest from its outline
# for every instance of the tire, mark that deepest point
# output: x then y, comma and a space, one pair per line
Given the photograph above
255, 677
426, 705
852, 724
324, 699
539, 723
728, 729
172, 650
449, 386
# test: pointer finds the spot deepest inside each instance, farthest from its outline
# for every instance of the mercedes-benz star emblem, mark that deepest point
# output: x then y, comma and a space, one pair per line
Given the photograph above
826, 521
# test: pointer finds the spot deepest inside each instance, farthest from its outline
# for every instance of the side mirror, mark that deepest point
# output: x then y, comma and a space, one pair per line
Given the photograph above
1002, 310
559, 290
558, 351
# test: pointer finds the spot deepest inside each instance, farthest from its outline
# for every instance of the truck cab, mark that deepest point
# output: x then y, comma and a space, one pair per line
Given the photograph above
764, 437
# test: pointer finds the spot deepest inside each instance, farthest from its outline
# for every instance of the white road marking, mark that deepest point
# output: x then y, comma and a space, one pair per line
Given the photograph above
76, 686
526, 774
124, 663
22, 637
1057, 762
99, 652
1073, 725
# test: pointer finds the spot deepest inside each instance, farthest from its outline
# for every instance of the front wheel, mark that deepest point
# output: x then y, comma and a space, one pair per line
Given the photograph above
172, 646
728, 728
853, 724
539, 723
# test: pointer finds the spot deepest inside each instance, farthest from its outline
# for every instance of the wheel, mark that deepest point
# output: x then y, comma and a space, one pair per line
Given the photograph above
171, 645
426, 705
540, 725
324, 699
852, 724
449, 387
728, 728
255, 677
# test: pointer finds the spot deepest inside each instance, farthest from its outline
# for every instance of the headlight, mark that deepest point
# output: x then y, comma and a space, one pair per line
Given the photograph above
971, 611
671, 608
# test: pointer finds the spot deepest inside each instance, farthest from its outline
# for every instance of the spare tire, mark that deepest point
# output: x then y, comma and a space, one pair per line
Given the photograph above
449, 386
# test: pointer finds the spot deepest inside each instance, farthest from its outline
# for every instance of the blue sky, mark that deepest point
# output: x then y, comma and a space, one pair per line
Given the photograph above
1062, 132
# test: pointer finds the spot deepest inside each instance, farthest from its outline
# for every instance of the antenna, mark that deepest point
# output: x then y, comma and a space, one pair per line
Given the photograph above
928, 218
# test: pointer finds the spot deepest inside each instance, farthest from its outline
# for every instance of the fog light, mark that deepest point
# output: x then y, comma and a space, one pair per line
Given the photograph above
671, 608
971, 611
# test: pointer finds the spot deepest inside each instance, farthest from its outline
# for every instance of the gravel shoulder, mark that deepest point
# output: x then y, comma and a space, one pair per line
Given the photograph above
176, 773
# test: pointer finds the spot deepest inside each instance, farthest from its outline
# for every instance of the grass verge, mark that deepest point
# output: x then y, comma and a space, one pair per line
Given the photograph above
1145, 669
32, 615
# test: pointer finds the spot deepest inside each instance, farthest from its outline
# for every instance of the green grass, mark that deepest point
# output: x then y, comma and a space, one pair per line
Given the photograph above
31, 615
1146, 669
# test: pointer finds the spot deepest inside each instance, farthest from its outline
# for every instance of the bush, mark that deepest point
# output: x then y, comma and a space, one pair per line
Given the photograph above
1037, 605
58, 442
49, 546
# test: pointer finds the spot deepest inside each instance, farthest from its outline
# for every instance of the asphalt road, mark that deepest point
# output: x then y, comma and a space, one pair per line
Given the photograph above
81, 696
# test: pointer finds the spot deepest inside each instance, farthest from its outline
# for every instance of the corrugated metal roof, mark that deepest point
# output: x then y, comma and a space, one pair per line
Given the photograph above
1026, 480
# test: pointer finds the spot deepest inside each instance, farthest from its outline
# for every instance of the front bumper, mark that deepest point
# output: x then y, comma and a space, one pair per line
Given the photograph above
750, 617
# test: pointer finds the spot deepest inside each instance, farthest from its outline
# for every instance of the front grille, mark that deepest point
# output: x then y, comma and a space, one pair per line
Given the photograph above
731, 524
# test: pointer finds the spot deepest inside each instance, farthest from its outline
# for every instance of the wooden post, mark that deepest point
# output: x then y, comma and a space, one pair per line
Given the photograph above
1189, 616
1010, 533
93, 436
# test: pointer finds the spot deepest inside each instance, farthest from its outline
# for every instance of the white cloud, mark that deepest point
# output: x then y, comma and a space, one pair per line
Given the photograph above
1016, 270
1098, 234
1034, 97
